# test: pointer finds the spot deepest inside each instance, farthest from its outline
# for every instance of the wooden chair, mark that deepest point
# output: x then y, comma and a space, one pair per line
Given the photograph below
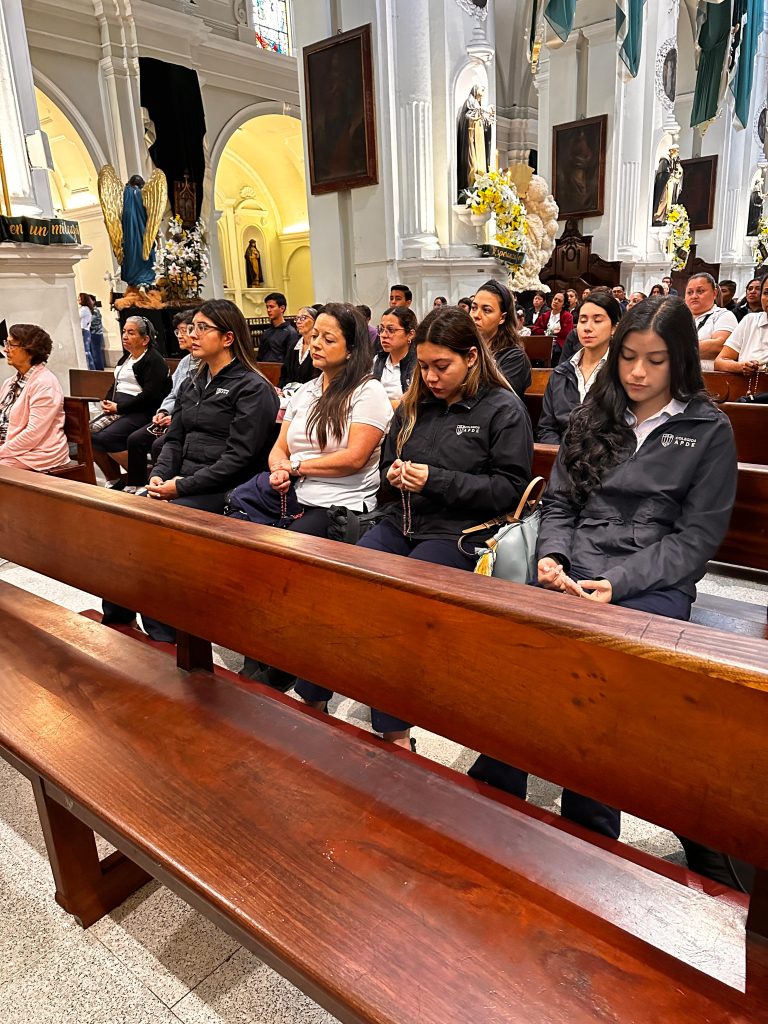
77, 427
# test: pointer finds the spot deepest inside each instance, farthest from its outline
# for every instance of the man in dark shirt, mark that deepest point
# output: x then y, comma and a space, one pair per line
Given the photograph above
728, 292
277, 339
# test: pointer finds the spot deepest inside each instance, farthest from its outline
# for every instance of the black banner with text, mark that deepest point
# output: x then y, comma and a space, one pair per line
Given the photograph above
40, 230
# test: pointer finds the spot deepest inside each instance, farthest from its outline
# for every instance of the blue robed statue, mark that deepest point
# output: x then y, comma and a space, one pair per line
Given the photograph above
132, 215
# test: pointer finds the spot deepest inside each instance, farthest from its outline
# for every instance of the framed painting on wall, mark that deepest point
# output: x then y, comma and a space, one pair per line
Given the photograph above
341, 114
698, 192
578, 166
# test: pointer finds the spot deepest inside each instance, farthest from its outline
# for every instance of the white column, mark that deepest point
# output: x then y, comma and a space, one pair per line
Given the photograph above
119, 68
30, 190
414, 135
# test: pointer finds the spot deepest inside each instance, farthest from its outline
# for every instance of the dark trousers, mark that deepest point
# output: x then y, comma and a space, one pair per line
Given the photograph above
97, 349
582, 809
387, 537
140, 443
161, 631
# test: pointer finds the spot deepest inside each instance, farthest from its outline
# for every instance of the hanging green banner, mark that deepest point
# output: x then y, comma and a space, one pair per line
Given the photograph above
40, 231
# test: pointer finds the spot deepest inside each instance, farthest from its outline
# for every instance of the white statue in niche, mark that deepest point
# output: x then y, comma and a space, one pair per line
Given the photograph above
474, 139
542, 213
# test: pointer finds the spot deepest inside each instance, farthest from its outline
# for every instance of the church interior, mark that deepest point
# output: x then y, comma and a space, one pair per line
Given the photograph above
299, 158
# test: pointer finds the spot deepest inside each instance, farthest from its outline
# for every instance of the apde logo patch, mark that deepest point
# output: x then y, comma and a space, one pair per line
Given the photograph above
466, 429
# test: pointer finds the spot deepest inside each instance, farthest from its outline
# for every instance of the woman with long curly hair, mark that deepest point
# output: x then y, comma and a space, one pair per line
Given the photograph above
639, 500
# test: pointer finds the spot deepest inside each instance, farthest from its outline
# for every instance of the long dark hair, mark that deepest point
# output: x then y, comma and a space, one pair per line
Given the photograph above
226, 317
331, 412
598, 433
452, 328
506, 336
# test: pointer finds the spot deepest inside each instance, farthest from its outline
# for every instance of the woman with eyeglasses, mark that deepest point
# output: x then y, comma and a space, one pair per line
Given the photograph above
297, 365
31, 405
142, 381
394, 365
151, 438
224, 422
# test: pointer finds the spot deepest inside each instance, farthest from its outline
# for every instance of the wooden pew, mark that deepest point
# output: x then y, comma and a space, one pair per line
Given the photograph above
77, 427
750, 428
94, 384
386, 888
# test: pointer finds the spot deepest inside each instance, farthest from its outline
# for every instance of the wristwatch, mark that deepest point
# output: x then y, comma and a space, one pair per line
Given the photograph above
296, 466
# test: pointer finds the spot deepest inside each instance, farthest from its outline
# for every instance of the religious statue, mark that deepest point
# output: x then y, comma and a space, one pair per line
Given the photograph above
540, 238
253, 274
756, 199
667, 186
132, 215
474, 139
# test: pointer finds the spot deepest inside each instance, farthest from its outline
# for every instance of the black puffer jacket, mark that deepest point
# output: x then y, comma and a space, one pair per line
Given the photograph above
154, 379
560, 398
479, 452
222, 430
658, 517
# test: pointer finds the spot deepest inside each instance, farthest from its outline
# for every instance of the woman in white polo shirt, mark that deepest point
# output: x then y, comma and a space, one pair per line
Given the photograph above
333, 428
746, 350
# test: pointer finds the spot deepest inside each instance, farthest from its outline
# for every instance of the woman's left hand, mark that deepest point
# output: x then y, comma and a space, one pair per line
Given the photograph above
164, 490
414, 476
602, 590
109, 406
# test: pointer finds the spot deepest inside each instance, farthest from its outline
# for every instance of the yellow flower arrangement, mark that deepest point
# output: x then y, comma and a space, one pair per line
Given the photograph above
493, 193
679, 241
760, 248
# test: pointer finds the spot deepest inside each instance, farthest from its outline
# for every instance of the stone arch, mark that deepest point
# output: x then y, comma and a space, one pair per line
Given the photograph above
245, 114
73, 115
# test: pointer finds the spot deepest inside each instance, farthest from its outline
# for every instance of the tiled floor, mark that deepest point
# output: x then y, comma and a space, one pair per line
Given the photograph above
154, 960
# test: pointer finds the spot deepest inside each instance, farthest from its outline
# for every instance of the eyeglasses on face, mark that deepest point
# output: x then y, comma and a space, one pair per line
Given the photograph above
201, 328
389, 330
183, 330
12, 344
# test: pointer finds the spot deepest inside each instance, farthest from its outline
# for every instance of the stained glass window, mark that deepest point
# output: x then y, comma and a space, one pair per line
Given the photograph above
272, 25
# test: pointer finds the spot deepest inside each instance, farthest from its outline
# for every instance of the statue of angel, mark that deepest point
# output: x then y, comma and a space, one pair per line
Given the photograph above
132, 215
542, 211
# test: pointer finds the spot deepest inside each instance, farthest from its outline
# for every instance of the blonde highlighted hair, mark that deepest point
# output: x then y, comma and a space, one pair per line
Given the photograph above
451, 328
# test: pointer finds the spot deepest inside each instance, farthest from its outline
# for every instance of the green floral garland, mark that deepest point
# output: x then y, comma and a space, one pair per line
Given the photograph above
679, 241
494, 193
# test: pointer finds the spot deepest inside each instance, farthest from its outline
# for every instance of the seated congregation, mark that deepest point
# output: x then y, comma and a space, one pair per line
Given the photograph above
421, 433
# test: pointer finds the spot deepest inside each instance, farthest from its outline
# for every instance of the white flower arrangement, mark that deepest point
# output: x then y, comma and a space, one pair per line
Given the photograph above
181, 260
760, 248
679, 241
493, 193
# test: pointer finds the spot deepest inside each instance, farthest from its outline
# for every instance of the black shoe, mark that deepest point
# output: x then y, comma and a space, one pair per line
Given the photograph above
413, 744
710, 863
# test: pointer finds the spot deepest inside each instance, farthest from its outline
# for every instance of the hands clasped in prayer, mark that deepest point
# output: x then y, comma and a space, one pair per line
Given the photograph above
553, 576
408, 476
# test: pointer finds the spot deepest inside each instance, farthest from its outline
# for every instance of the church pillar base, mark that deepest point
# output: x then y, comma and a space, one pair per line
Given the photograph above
37, 286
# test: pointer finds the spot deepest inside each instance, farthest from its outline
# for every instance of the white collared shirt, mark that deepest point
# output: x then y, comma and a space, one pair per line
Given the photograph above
642, 430
585, 385
391, 379
750, 339
297, 348
714, 320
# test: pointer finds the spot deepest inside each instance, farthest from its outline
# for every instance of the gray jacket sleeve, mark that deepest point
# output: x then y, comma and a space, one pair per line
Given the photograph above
547, 431
180, 375
558, 515
699, 532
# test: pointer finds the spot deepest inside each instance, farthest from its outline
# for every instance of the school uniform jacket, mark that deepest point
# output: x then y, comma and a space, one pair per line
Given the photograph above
221, 431
515, 365
407, 365
658, 516
479, 452
561, 397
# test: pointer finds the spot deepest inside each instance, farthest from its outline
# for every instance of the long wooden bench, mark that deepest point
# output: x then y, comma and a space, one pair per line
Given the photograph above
94, 384
388, 889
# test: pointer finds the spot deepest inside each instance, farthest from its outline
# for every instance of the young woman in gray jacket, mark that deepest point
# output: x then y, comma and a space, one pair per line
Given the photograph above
639, 500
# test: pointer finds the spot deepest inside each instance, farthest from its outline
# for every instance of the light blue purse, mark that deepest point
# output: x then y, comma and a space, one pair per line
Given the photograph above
510, 554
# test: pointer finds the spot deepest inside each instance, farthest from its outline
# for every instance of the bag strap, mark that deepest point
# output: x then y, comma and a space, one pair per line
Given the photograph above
532, 495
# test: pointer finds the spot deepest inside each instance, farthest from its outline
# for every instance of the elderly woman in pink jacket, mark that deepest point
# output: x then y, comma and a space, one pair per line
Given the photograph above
31, 405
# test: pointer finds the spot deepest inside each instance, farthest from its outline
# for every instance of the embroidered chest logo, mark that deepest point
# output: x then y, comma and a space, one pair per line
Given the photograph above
222, 391
464, 428
678, 441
